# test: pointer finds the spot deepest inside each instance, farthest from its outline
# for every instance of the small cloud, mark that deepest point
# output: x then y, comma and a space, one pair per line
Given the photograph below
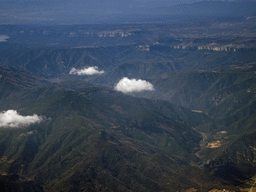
11, 119
3, 38
85, 71
126, 85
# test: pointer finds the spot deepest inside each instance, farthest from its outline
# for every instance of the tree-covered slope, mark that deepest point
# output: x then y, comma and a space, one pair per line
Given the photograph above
92, 138
96, 139
118, 61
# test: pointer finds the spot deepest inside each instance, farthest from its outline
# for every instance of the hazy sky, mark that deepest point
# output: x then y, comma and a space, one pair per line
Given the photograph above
79, 11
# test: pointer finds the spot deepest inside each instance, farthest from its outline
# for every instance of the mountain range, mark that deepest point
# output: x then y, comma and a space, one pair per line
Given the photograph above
91, 12
129, 107
94, 138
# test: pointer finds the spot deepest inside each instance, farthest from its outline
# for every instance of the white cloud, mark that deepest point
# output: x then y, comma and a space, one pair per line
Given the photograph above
86, 71
12, 119
126, 85
3, 38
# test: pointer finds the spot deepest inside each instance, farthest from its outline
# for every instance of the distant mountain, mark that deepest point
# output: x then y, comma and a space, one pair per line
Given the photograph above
214, 8
66, 12
119, 61
34, 36
57, 62
91, 12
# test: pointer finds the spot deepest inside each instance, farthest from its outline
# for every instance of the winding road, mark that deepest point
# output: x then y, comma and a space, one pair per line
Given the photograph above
252, 186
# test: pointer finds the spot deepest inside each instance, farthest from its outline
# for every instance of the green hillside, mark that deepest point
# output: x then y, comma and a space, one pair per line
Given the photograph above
96, 139
92, 138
